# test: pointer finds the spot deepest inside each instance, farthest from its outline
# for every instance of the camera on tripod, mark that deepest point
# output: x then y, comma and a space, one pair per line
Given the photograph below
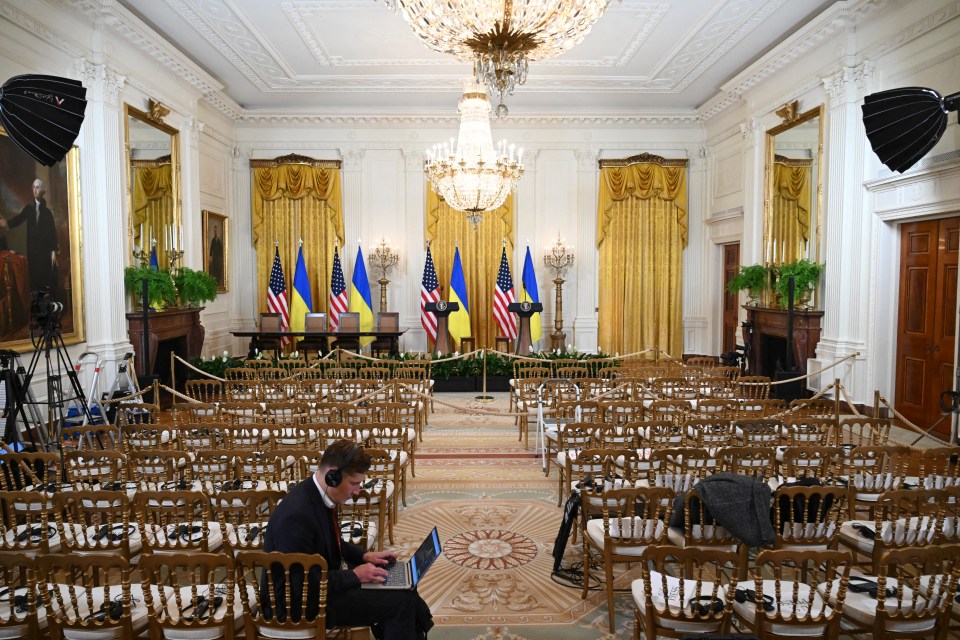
45, 312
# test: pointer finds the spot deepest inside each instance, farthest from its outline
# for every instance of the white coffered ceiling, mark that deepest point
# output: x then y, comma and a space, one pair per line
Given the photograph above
356, 56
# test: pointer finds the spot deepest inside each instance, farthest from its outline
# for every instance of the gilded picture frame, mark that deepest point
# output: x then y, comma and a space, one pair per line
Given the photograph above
52, 230
216, 248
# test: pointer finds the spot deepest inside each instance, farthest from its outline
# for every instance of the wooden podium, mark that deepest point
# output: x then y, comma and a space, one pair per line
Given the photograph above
442, 310
524, 311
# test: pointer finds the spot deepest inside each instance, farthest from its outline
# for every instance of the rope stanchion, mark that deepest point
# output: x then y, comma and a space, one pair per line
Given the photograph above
910, 425
136, 394
846, 398
812, 373
200, 371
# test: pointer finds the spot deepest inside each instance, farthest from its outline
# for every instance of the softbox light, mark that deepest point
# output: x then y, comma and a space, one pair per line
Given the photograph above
43, 114
904, 124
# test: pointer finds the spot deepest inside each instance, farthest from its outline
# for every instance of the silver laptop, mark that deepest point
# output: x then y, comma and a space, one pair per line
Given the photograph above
406, 574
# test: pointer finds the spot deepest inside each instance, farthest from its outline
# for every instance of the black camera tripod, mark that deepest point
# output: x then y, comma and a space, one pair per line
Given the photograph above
47, 340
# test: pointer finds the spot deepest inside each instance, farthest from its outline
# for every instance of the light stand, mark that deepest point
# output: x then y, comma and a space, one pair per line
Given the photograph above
558, 258
383, 258
46, 317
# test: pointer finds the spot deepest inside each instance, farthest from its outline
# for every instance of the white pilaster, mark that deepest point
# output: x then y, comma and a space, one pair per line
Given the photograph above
413, 253
352, 206
103, 187
585, 268
751, 246
243, 255
696, 281
190, 193
847, 235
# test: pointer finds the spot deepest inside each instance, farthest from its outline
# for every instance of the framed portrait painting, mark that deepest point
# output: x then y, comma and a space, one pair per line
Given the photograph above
39, 247
215, 245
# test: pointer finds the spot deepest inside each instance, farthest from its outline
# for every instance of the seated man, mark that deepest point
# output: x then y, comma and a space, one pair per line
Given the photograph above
306, 522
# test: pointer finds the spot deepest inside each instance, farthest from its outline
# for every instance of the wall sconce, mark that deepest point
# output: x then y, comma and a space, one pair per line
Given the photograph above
558, 258
384, 258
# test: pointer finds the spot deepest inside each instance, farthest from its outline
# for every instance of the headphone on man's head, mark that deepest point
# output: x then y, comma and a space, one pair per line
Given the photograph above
334, 477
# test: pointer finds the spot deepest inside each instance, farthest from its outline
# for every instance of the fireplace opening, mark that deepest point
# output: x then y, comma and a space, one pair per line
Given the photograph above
774, 354
162, 365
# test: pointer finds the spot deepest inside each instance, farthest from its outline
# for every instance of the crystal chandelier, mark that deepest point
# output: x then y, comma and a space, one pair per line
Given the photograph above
500, 37
474, 176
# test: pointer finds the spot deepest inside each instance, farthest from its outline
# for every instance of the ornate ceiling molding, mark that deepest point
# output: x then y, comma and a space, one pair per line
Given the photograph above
843, 14
446, 119
113, 15
250, 52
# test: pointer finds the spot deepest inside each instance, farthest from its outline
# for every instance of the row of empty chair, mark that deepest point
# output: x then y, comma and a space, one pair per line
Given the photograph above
185, 595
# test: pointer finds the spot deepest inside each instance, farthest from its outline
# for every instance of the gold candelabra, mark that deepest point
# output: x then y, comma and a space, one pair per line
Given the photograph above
558, 258
383, 258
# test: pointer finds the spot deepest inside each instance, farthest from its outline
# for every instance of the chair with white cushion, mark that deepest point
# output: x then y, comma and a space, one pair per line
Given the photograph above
808, 517
872, 470
22, 615
286, 603
902, 518
759, 462
700, 528
940, 467
571, 438
28, 526
782, 600
813, 461
97, 522
243, 516
196, 596
909, 597
90, 597
631, 520
177, 521
684, 592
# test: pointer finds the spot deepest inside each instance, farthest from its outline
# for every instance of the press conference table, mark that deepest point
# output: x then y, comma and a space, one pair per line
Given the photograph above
320, 337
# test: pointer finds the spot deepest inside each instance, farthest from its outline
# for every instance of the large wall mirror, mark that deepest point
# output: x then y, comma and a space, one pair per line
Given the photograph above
153, 185
793, 187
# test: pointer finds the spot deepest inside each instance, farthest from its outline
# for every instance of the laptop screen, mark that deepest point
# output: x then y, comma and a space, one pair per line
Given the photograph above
425, 555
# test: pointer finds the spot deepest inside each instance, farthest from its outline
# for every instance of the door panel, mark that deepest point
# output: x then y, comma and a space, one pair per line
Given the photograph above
926, 318
731, 266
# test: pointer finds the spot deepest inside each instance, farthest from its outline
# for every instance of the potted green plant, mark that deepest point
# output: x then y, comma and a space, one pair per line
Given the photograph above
160, 288
194, 287
806, 277
753, 278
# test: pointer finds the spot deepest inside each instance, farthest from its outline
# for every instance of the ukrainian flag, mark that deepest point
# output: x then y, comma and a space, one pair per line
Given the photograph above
458, 324
301, 302
360, 301
530, 293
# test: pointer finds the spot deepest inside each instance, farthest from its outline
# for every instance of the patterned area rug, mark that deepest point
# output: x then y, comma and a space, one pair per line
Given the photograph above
498, 518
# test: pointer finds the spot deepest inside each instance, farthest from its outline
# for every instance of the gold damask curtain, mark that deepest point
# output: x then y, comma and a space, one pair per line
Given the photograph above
480, 250
790, 223
641, 234
297, 199
153, 217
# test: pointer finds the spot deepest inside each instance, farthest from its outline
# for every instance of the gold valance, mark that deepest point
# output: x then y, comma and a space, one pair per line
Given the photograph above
656, 178
273, 179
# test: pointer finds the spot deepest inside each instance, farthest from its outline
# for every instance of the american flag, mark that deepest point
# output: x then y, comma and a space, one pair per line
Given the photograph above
429, 292
277, 294
502, 296
338, 292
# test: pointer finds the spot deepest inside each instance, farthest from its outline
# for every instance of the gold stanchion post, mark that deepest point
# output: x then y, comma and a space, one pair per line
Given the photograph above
484, 397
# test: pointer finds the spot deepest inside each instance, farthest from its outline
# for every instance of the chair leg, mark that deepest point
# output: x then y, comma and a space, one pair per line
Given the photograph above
586, 570
608, 569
